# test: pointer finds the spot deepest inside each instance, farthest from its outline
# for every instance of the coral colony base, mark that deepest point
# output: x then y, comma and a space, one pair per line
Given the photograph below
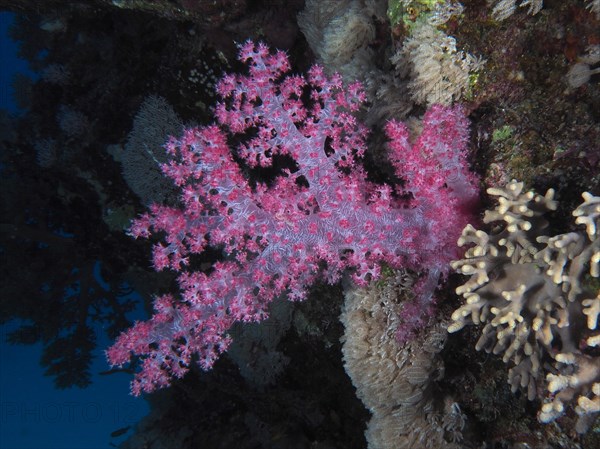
315, 220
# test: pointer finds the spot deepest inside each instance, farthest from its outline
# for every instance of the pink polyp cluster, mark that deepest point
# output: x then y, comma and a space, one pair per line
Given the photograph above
313, 222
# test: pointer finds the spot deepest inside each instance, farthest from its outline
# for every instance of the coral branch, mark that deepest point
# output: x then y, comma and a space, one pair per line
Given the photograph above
313, 221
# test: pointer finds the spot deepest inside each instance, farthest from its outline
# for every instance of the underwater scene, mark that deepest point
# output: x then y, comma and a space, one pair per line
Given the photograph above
319, 224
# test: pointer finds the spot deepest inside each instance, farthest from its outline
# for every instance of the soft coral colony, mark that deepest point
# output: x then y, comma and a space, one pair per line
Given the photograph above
317, 219
534, 295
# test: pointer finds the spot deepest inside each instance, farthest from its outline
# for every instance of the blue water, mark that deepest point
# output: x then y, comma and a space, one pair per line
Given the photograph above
33, 414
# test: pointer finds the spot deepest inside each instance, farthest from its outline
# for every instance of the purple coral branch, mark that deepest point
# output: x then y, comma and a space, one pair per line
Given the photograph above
315, 221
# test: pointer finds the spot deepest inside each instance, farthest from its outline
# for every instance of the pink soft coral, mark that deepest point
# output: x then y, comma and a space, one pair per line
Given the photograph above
315, 220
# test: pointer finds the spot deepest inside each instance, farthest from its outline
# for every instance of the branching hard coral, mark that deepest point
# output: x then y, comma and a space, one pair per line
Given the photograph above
531, 293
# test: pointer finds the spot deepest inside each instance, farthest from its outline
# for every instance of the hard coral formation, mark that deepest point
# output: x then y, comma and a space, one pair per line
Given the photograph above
532, 294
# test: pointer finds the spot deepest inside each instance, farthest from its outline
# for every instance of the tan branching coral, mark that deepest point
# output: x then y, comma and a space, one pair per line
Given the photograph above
531, 292
397, 383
